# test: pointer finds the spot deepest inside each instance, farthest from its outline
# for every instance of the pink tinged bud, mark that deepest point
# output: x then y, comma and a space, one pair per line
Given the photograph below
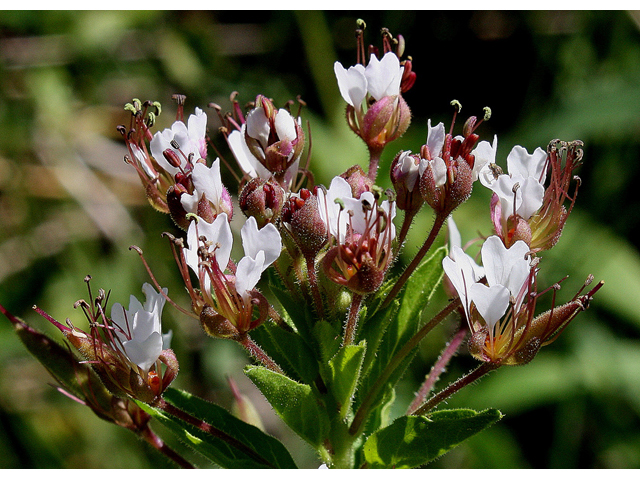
176, 209
215, 325
262, 200
455, 190
385, 121
405, 177
357, 180
305, 223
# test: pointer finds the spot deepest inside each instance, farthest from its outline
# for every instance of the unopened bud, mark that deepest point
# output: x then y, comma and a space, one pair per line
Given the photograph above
357, 180
263, 200
215, 325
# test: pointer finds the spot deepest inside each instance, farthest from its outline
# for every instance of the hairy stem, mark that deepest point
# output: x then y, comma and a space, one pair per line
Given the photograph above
162, 404
313, 285
374, 161
352, 320
394, 363
446, 355
454, 387
256, 352
435, 229
156, 442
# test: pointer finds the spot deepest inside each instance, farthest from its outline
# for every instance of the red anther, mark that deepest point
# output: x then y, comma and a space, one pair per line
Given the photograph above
172, 157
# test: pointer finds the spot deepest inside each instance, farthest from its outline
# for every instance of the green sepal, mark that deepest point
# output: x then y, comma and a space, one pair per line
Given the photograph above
411, 441
294, 402
344, 369
269, 452
289, 350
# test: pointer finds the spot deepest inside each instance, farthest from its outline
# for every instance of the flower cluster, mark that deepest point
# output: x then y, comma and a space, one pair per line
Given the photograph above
128, 349
331, 251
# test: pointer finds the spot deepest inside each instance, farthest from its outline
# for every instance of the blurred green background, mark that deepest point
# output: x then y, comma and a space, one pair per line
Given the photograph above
69, 206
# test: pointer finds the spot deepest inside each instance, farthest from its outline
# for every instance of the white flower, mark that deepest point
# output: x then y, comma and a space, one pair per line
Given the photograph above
330, 211
506, 271
206, 181
362, 214
190, 140
526, 170
527, 197
139, 328
219, 242
381, 78
262, 248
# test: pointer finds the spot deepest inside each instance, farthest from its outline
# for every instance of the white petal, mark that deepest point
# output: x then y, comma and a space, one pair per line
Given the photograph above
258, 126
435, 138
507, 267
208, 181
439, 171
266, 240
531, 194
455, 239
197, 127
285, 125
491, 302
144, 353
352, 83
383, 76
520, 162
248, 273
485, 154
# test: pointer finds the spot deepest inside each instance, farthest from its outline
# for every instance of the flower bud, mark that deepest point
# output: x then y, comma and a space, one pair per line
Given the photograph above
406, 181
386, 120
357, 180
305, 224
455, 190
216, 325
176, 210
263, 200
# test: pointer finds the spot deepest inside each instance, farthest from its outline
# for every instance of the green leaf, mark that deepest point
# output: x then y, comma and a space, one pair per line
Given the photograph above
412, 441
344, 368
419, 289
289, 350
269, 452
294, 402
329, 339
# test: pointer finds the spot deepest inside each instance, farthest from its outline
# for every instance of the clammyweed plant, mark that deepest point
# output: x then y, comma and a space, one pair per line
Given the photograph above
330, 331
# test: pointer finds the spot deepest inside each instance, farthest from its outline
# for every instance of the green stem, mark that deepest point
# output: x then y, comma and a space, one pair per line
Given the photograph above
162, 404
435, 229
394, 363
470, 377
